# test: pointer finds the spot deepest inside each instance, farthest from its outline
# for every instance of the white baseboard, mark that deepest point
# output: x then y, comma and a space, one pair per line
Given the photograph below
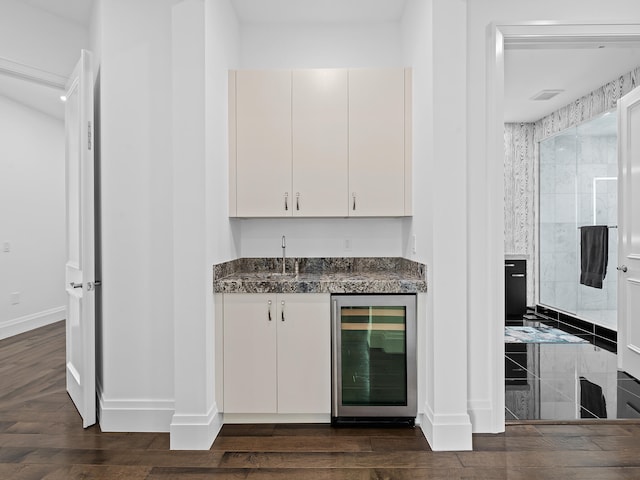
447, 432
23, 324
483, 418
277, 418
120, 415
195, 432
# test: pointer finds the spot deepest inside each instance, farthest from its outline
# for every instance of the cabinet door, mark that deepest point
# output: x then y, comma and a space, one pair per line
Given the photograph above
250, 353
376, 142
320, 136
304, 353
263, 136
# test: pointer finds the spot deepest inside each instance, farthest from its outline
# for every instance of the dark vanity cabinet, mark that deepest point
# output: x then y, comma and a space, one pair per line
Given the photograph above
515, 283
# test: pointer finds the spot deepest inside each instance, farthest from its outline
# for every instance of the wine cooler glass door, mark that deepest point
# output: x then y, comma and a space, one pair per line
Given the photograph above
375, 355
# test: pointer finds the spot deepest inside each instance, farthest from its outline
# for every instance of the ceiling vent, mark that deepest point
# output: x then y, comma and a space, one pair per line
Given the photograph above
546, 94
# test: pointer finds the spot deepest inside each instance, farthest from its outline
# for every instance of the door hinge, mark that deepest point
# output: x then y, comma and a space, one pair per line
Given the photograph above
89, 136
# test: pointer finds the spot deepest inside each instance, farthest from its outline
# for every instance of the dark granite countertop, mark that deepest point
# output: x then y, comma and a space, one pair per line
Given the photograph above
321, 275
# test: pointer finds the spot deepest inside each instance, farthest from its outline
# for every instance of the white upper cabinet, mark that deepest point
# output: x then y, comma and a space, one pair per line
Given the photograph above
263, 143
320, 143
376, 142
320, 148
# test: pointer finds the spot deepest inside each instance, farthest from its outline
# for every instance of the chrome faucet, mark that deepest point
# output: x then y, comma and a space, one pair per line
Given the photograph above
284, 249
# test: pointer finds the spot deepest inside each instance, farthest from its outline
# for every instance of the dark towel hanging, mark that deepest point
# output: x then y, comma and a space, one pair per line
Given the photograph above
592, 401
594, 254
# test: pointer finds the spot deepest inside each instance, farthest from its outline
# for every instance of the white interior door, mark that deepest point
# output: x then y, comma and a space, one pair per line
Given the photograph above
629, 233
80, 280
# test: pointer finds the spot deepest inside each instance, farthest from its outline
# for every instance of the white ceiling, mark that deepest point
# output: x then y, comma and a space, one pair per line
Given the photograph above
78, 11
577, 71
40, 97
318, 11
32, 94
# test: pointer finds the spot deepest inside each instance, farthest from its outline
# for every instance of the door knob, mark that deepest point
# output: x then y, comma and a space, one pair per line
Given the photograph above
75, 285
623, 268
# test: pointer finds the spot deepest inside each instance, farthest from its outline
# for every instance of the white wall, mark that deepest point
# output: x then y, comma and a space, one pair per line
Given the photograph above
32, 218
485, 264
434, 45
318, 45
222, 39
36, 38
32, 181
204, 48
418, 51
136, 391
453, 202
164, 155
281, 45
314, 237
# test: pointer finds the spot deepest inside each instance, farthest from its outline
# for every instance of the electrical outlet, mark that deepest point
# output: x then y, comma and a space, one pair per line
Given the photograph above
15, 298
414, 246
6, 247
347, 244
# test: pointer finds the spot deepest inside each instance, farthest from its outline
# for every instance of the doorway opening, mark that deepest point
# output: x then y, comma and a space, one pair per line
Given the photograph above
520, 369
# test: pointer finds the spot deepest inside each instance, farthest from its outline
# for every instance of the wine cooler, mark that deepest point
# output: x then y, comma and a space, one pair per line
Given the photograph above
374, 359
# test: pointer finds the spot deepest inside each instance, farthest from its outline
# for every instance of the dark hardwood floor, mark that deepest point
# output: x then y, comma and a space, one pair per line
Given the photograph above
41, 437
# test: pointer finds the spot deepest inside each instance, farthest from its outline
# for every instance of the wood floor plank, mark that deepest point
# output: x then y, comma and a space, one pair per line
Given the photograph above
551, 459
340, 460
577, 473
392, 444
629, 443
196, 473
503, 443
41, 437
293, 444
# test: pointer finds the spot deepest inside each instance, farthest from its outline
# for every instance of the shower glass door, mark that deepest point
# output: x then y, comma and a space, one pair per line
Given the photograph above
578, 187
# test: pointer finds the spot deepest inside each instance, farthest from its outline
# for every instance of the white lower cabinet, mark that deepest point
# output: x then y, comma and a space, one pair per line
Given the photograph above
277, 353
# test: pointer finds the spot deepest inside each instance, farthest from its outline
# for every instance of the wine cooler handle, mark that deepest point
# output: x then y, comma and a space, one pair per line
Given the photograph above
334, 364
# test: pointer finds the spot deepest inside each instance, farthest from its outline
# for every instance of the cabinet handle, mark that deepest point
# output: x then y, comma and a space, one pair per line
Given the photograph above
354, 201
298, 201
517, 274
509, 264
269, 310
334, 364
286, 202
282, 310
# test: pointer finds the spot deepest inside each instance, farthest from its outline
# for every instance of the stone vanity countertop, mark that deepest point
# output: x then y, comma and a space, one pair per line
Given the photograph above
320, 275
